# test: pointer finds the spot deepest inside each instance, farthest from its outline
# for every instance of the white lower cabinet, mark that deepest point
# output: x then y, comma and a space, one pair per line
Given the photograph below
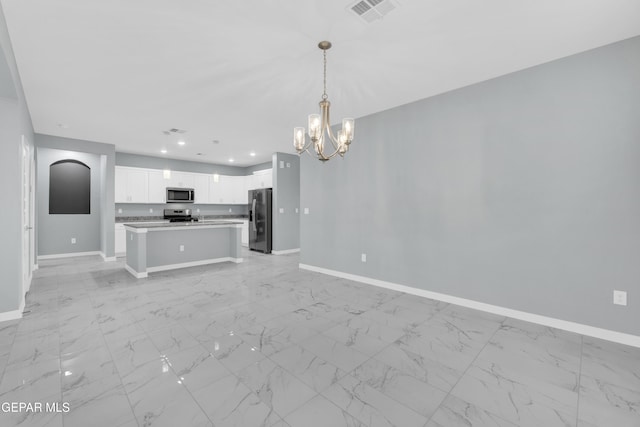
244, 236
120, 240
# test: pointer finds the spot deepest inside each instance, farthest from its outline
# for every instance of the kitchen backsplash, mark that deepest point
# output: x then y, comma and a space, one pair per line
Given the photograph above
147, 210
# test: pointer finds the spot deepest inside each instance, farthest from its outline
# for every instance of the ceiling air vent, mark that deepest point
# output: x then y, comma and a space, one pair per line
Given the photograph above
173, 130
372, 10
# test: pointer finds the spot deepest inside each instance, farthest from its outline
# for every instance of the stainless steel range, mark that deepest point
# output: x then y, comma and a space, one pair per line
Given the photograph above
179, 215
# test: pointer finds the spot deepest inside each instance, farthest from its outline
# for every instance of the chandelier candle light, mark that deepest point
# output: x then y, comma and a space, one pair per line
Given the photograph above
320, 125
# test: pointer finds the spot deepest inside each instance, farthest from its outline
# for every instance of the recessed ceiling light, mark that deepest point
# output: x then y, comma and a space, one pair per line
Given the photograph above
181, 142
163, 151
231, 160
252, 154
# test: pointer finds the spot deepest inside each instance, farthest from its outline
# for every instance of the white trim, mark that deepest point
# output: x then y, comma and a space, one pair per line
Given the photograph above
23, 303
107, 258
68, 255
192, 264
135, 273
592, 331
10, 315
286, 251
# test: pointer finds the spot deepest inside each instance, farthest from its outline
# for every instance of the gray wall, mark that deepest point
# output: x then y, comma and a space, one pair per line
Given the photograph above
55, 231
261, 166
139, 161
54, 234
522, 192
15, 122
286, 195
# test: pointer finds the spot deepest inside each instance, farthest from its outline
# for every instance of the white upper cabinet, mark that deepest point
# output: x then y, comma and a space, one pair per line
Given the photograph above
138, 185
131, 185
260, 179
238, 190
182, 180
157, 186
201, 188
227, 190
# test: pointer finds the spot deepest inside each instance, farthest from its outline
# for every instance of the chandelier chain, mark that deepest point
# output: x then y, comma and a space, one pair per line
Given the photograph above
324, 94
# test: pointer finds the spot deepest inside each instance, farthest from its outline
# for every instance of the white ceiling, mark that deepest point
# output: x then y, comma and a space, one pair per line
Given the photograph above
246, 72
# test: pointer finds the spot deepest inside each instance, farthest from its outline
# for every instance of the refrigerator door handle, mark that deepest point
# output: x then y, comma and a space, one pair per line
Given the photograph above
253, 219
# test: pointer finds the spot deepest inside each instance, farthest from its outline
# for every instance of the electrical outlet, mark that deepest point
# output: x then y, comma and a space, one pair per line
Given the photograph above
620, 297
73, 240
281, 210
288, 164
119, 210
306, 211
198, 210
150, 210
181, 248
230, 210
363, 257
297, 210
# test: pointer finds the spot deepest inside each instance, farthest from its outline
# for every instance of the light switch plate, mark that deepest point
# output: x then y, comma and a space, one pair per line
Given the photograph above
119, 210
281, 210
306, 211
363, 257
281, 164
297, 210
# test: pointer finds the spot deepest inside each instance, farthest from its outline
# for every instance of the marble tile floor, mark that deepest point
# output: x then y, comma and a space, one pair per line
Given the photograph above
263, 343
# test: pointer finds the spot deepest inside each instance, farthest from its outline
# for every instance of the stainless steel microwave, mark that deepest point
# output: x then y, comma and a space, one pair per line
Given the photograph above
180, 195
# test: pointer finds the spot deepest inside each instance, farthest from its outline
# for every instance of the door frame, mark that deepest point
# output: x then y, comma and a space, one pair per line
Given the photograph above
27, 175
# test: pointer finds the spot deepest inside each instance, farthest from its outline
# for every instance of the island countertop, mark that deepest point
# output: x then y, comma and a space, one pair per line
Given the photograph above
181, 225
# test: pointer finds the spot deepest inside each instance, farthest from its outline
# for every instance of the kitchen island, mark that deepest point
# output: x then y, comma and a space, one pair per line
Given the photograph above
166, 246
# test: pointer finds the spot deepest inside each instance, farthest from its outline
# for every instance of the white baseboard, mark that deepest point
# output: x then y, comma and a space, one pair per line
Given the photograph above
592, 331
286, 251
135, 273
10, 315
68, 255
107, 258
192, 264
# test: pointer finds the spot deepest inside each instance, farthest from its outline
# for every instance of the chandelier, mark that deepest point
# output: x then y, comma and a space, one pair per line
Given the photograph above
320, 125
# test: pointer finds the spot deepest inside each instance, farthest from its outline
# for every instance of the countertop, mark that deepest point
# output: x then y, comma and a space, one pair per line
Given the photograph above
159, 219
181, 224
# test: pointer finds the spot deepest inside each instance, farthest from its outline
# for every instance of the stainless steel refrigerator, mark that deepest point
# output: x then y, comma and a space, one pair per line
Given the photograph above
260, 220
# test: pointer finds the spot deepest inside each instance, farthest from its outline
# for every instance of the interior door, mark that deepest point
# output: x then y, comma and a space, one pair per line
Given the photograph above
27, 216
